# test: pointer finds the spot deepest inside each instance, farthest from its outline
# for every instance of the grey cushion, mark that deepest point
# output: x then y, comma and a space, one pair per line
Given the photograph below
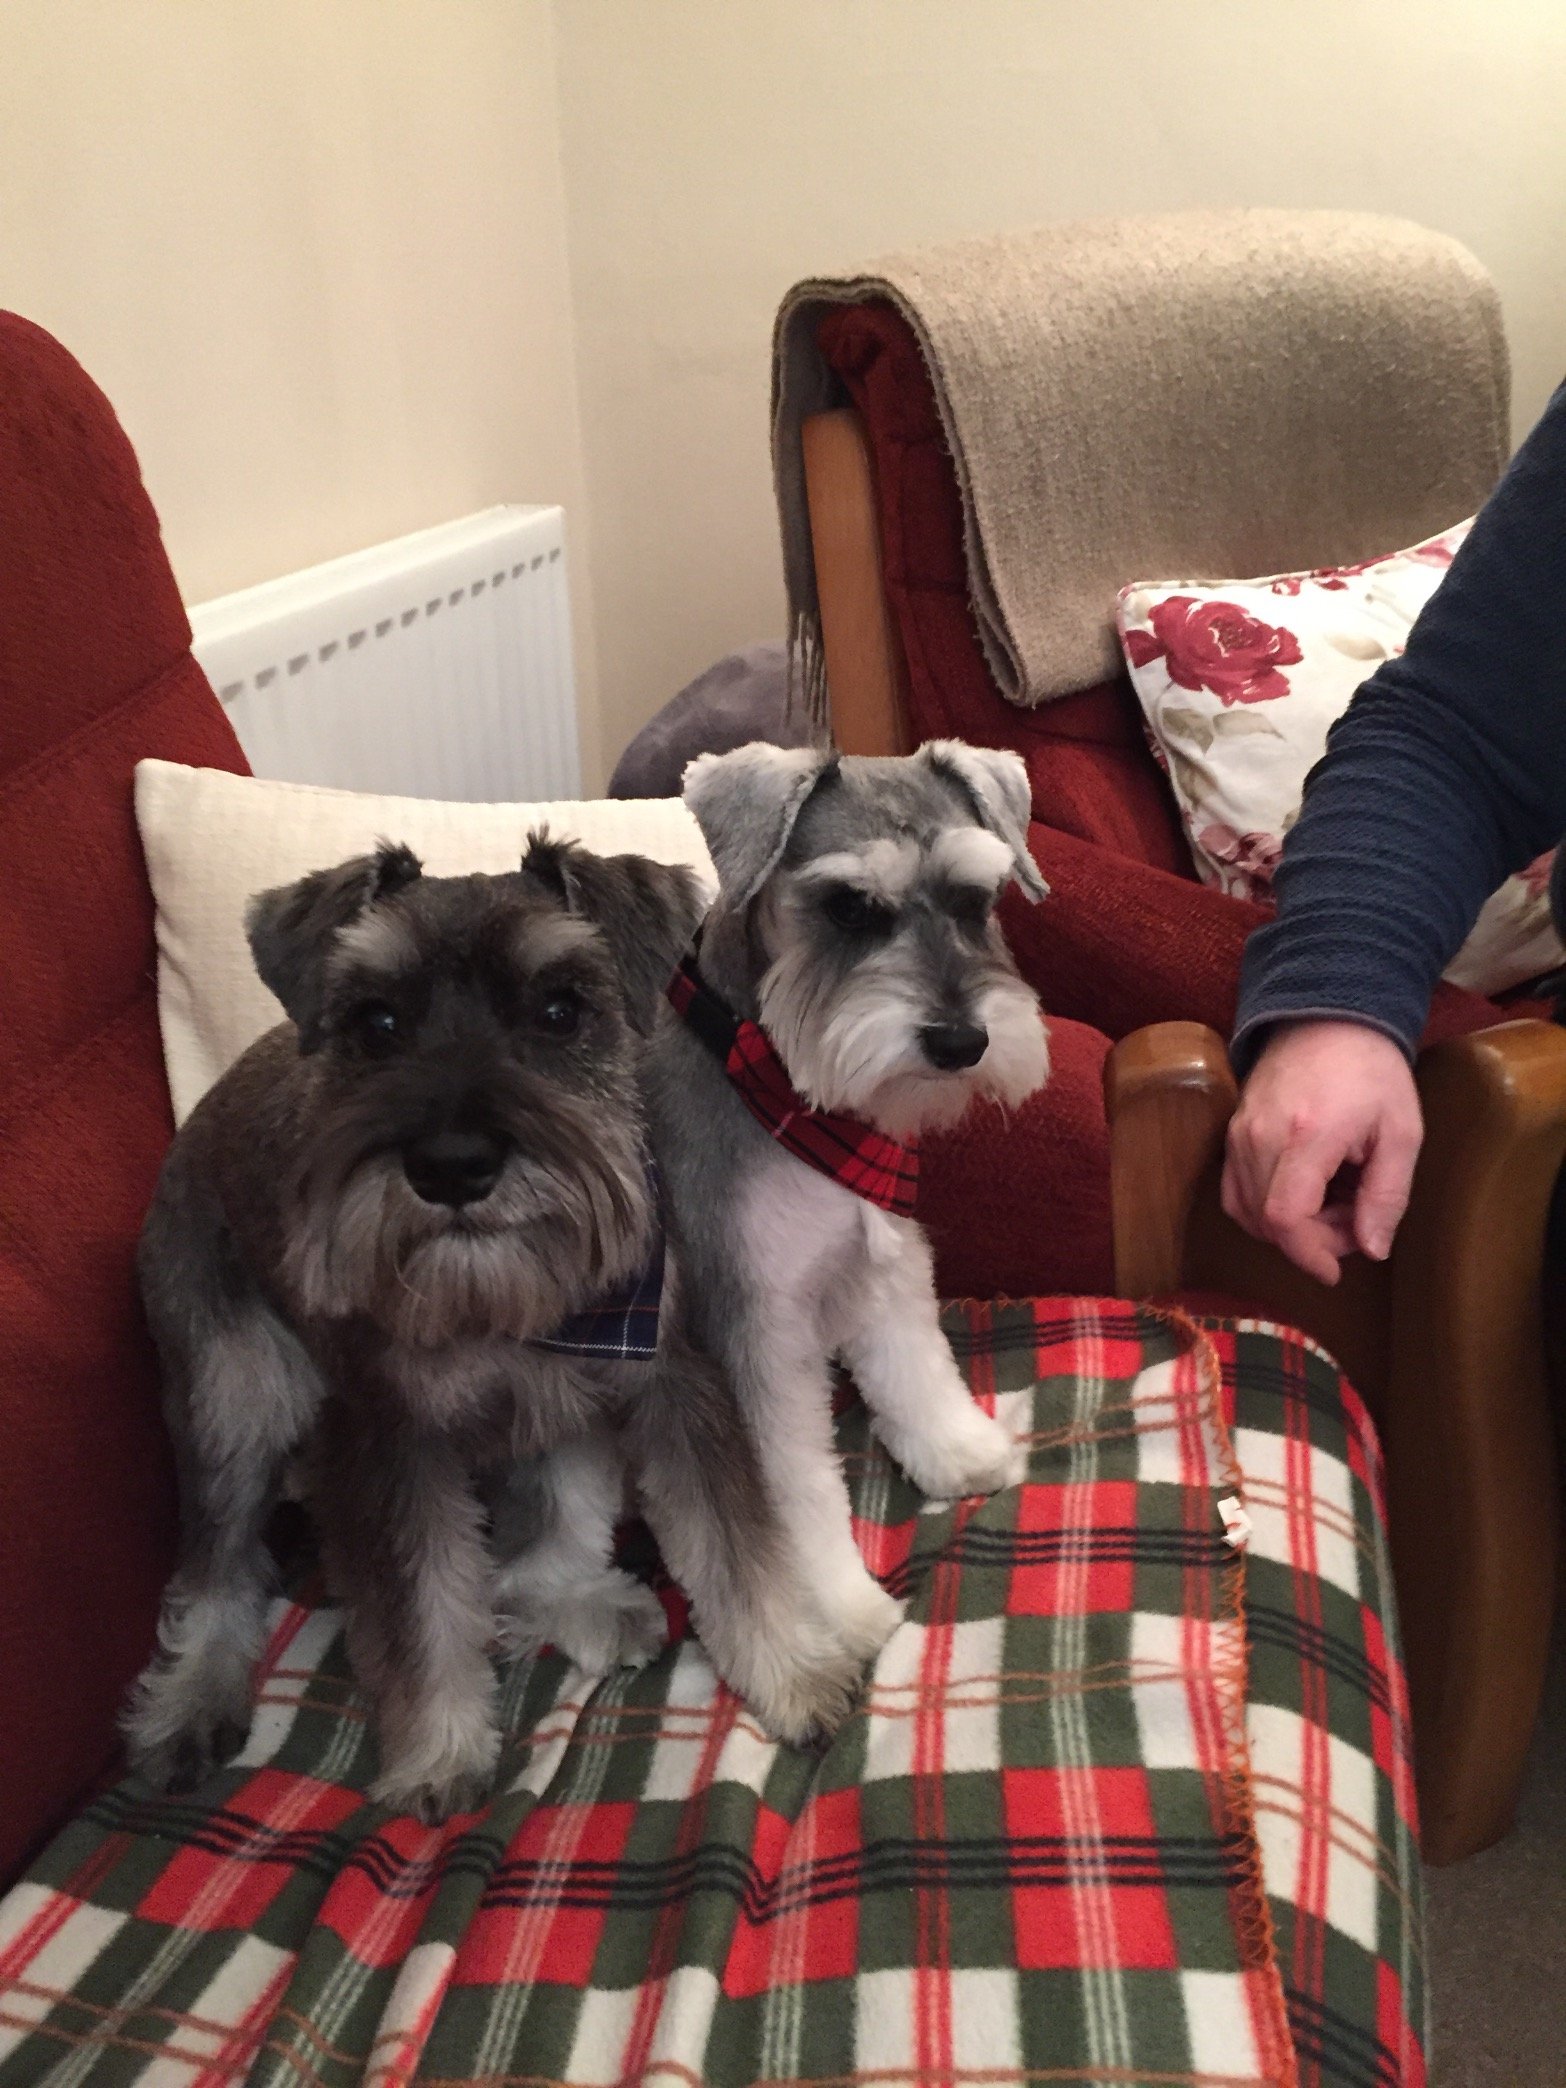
743, 697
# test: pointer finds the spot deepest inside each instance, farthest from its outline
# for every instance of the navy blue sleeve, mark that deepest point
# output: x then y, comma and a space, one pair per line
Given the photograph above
1446, 774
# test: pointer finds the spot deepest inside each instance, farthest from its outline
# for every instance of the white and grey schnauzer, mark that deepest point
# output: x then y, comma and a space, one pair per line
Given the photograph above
851, 988
363, 1261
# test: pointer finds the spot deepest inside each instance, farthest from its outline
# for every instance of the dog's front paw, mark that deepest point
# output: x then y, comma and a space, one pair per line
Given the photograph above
447, 1768
185, 1720
613, 1622
863, 1619
181, 1763
804, 1703
976, 1455
433, 1803
621, 1624
797, 1677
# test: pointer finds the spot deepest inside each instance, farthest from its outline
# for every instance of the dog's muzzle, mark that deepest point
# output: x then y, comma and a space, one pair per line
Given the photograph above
954, 1046
454, 1167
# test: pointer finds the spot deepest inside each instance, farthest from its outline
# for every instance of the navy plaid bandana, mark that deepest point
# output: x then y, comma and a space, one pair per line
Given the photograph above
622, 1325
852, 1152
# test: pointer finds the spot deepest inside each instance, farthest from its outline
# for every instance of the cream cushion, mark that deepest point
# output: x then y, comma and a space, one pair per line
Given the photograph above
212, 840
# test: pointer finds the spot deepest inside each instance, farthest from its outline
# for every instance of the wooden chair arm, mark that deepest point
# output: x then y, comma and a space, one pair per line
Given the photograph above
864, 660
1169, 1095
1444, 1340
1467, 1424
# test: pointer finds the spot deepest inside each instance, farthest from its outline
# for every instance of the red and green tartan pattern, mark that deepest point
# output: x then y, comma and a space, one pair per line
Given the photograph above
1327, 1716
883, 1170
1064, 1841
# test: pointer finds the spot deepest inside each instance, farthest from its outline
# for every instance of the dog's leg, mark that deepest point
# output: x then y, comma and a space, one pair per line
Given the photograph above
237, 1401
716, 1524
891, 1340
403, 1545
785, 1390
793, 1244
562, 1588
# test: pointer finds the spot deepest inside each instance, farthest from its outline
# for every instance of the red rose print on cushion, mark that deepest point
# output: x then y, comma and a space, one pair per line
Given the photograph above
1252, 857
1217, 646
1440, 551
1328, 577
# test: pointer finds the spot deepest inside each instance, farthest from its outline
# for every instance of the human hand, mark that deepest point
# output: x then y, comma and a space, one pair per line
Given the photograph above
1323, 1099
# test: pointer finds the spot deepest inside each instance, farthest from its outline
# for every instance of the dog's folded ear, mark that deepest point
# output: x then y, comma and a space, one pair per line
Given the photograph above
291, 928
995, 783
746, 804
646, 911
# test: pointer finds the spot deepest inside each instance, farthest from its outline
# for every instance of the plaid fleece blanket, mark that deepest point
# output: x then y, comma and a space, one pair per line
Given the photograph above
1125, 1804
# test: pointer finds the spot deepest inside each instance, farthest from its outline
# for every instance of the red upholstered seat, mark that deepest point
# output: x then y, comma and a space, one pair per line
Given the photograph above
95, 672
1017, 1204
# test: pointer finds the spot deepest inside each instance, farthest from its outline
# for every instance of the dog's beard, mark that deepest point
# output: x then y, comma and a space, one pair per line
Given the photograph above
854, 1046
560, 1226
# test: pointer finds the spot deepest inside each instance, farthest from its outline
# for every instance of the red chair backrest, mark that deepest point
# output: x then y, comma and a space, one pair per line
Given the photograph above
1092, 773
95, 672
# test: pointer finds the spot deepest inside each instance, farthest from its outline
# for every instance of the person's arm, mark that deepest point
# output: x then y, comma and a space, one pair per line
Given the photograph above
1447, 773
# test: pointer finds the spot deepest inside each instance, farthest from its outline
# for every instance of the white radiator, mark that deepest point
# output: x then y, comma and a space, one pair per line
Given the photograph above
436, 666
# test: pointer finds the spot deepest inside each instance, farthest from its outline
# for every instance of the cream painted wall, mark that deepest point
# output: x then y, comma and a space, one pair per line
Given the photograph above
347, 267
715, 150
314, 251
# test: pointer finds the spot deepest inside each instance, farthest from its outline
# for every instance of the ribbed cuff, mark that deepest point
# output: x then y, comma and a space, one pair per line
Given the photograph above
1250, 1036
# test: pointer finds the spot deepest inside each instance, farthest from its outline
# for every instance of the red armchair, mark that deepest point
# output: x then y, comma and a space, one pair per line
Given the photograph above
95, 672
1444, 1341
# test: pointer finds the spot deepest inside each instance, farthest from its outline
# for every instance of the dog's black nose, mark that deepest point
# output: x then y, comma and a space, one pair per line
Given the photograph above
951, 1045
454, 1167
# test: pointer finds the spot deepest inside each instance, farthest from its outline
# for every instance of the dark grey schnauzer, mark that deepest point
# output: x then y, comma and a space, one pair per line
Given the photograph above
855, 925
360, 1238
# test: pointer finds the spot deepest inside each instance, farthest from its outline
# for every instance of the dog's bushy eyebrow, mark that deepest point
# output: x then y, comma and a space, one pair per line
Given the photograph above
377, 942
588, 971
545, 940
971, 857
884, 870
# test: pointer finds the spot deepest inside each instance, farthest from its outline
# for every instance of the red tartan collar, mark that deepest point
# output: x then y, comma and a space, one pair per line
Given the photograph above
850, 1151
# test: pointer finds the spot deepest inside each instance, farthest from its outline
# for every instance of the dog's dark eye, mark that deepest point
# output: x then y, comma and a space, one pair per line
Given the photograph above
560, 1012
376, 1027
855, 912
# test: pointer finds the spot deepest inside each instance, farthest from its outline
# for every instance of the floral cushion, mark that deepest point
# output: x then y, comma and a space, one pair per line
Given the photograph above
1240, 682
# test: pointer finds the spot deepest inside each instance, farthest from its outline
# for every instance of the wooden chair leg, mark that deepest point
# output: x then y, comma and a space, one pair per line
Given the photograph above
1473, 1506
